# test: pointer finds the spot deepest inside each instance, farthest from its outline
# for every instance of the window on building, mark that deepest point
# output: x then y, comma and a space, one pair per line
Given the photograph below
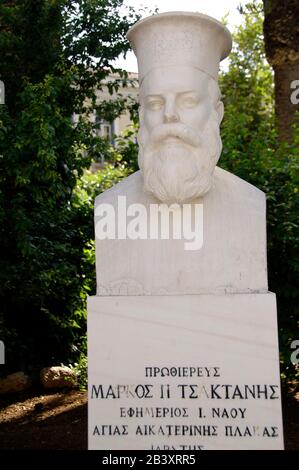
106, 131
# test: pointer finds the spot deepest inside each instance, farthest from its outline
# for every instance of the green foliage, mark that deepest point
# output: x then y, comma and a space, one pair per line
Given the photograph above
251, 151
247, 90
54, 54
127, 147
92, 184
29, 43
80, 369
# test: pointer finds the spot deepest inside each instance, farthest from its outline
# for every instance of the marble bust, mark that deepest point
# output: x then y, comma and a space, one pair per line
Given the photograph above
179, 141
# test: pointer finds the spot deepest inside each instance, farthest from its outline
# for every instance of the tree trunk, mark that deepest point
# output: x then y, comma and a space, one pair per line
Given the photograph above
281, 33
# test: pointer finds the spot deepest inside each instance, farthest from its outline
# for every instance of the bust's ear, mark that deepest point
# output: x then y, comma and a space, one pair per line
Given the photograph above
220, 111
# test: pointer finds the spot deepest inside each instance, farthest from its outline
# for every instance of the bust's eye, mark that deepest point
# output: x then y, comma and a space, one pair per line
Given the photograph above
154, 104
189, 101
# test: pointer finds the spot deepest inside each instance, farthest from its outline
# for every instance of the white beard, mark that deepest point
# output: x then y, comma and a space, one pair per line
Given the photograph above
179, 172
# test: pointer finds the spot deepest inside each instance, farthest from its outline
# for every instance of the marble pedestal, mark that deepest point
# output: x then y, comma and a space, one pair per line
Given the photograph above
184, 372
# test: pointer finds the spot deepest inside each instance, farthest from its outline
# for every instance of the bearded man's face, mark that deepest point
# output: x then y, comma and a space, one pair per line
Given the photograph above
179, 140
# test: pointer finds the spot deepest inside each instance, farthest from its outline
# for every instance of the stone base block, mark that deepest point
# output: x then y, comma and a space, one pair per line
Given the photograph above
184, 372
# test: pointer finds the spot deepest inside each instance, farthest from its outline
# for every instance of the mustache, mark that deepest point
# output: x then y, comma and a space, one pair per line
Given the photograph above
178, 130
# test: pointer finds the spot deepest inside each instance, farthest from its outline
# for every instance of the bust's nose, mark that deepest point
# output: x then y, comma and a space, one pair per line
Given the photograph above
170, 112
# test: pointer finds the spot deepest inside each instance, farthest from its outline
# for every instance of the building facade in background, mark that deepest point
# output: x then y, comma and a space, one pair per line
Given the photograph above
110, 130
